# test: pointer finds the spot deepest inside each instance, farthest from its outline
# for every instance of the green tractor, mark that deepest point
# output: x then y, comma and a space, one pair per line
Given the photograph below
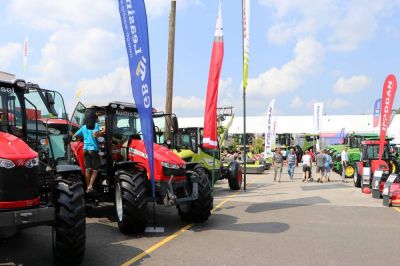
353, 142
187, 144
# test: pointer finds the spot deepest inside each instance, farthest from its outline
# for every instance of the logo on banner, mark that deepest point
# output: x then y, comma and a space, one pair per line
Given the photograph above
388, 95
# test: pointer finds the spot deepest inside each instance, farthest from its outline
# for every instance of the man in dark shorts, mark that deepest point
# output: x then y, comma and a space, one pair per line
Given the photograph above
89, 133
306, 166
320, 161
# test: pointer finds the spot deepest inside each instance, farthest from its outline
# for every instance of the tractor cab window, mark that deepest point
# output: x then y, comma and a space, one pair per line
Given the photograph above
160, 128
371, 152
10, 112
188, 139
46, 109
78, 118
126, 124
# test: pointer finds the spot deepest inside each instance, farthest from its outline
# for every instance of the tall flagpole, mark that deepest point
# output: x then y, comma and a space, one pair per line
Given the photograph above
245, 23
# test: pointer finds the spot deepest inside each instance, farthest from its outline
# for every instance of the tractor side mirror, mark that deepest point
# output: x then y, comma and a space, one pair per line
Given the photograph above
175, 125
50, 103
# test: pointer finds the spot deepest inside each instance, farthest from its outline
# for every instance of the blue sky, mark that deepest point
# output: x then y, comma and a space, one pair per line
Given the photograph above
335, 51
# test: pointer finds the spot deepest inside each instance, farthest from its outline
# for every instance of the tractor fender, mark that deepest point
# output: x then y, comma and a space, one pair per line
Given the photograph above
68, 168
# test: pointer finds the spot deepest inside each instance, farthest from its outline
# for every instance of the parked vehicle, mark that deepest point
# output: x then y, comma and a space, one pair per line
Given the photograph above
38, 184
124, 175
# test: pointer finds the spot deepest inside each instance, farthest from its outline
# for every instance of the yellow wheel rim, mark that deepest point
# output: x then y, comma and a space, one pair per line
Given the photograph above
393, 167
349, 170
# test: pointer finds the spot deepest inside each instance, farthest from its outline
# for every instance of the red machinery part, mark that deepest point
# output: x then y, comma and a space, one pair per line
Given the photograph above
19, 204
395, 192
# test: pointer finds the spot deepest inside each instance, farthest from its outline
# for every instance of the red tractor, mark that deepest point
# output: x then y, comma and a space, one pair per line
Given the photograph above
124, 172
369, 169
38, 185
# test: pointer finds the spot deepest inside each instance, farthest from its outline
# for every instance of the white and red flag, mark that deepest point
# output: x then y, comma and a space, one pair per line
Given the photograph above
210, 138
388, 95
25, 54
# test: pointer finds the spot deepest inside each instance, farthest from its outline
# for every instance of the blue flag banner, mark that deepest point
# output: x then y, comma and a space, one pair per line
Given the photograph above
134, 25
377, 112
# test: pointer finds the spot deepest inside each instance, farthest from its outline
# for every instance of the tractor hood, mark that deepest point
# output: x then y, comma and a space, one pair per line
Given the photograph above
161, 153
13, 148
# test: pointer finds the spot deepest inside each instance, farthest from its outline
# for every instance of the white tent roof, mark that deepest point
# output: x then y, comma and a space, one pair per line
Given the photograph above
302, 124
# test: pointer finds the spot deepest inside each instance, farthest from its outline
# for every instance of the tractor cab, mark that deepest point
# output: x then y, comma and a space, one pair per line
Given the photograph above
124, 172
37, 184
369, 163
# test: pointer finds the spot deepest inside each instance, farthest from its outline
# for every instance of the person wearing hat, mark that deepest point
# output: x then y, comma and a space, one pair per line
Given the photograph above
345, 162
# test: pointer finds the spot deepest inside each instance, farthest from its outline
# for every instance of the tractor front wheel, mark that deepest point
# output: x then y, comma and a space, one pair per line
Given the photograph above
69, 231
200, 209
131, 201
235, 177
349, 171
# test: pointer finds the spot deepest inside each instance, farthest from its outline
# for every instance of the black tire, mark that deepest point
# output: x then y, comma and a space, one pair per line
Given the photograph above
356, 177
69, 235
235, 178
131, 201
198, 210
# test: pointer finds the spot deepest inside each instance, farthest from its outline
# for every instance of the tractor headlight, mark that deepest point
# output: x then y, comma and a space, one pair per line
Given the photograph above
171, 165
32, 162
8, 164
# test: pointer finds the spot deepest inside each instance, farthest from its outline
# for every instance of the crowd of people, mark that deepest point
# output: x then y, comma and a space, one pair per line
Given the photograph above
322, 160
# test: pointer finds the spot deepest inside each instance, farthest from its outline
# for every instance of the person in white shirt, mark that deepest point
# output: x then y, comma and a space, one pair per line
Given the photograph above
306, 166
345, 162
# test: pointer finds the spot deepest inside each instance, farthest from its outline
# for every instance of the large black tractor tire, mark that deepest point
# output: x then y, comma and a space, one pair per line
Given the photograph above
131, 201
356, 177
198, 210
235, 177
69, 231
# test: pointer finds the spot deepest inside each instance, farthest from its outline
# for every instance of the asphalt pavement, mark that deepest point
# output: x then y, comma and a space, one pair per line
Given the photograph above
287, 223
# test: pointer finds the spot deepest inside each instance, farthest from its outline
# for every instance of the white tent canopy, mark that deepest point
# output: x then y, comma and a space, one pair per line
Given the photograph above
302, 124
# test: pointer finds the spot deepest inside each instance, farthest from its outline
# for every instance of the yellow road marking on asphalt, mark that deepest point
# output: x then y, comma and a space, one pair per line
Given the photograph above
177, 233
397, 209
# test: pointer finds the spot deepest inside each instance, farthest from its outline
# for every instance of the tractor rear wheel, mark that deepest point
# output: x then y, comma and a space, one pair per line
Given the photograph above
69, 231
356, 177
198, 210
235, 177
131, 201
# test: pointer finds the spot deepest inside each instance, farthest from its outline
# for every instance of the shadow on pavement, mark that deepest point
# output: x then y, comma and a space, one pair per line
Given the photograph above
285, 204
34, 247
325, 186
225, 222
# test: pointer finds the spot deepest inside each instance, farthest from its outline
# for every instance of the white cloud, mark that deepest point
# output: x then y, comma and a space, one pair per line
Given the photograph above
190, 103
115, 85
338, 103
297, 102
345, 28
68, 52
50, 14
9, 53
308, 60
353, 84
160, 7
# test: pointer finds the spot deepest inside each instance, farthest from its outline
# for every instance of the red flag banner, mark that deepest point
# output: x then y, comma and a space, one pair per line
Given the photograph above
210, 139
388, 95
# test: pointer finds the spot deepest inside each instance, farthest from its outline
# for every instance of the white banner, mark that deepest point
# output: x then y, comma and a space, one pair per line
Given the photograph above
317, 123
269, 131
274, 134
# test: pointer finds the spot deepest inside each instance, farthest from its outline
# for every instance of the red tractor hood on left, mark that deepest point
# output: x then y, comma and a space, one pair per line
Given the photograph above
13, 148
